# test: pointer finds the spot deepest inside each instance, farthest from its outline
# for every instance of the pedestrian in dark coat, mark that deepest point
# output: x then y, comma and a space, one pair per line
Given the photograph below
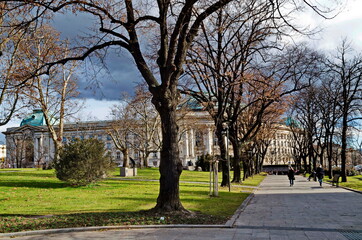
320, 174
291, 176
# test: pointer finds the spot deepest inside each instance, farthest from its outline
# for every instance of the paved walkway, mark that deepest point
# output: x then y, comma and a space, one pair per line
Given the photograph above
277, 211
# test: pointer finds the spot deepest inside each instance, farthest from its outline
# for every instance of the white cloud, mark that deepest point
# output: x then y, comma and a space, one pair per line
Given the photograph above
96, 110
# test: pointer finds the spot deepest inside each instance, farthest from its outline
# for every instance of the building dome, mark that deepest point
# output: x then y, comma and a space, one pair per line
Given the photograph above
34, 119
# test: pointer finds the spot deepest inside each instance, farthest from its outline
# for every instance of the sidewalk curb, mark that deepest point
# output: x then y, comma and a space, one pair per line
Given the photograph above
350, 189
230, 223
86, 229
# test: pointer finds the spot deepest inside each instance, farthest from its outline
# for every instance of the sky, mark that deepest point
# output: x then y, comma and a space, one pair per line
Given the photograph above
122, 76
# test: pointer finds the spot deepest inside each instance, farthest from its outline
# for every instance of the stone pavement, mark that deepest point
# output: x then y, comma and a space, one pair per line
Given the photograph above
304, 211
277, 211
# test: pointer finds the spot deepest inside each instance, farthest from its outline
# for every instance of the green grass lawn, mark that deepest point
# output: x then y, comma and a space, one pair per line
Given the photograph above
187, 176
35, 199
354, 182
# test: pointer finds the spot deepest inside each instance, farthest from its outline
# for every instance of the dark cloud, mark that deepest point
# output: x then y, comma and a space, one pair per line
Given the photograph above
71, 26
98, 81
118, 75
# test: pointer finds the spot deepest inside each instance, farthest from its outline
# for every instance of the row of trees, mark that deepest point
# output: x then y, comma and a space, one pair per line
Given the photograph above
243, 67
328, 111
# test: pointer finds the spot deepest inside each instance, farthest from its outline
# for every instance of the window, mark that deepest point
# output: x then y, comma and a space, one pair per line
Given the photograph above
198, 139
109, 146
118, 155
215, 140
100, 137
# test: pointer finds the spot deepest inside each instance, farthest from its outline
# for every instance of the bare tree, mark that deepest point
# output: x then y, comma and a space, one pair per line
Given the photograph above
11, 67
231, 64
128, 25
346, 69
136, 126
121, 130
330, 115
55, 93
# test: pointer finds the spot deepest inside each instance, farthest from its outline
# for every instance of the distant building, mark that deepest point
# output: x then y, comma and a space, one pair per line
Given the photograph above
3, 156
280, 150
31, 145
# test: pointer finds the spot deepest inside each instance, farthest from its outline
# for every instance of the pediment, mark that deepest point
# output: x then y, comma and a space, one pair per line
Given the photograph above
26, 129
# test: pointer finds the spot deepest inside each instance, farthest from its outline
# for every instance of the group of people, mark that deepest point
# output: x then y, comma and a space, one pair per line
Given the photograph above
319, 173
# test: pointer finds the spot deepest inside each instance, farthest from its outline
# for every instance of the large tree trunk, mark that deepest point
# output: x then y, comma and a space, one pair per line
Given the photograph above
304, 159
344, 148
329, 156
125, 157
170, 163
223, 152
246, 166
58, 144
236, 164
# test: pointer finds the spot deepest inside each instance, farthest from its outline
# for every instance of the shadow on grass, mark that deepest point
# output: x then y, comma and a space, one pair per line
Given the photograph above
29, 174
33, 184
15, 223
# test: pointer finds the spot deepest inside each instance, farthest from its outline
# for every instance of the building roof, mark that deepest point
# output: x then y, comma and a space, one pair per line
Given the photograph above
291, 122
34, 119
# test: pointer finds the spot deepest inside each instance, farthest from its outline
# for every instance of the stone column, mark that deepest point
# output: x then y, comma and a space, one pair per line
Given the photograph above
186, 145
36, 149
192, 143
209, 141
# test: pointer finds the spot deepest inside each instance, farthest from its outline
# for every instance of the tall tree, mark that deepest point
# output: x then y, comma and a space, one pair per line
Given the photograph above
136, 126
221, 63
11, 66
327, 103
226, 63
306, 113
121, 130
173, 25
55, 93
346, 68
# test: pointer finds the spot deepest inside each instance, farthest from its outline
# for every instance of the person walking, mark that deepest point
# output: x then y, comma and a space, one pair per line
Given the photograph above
311, 176
320, 174
291, 176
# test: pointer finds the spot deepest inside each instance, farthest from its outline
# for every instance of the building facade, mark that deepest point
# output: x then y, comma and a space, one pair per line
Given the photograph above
280, 150
31, 145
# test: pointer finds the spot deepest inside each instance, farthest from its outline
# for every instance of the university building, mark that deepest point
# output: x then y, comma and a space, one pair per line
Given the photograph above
30, 144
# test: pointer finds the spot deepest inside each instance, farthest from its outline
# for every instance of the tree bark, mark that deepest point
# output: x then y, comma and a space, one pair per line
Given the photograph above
223, 152
170, 164
236, 163
344, 147
125, 157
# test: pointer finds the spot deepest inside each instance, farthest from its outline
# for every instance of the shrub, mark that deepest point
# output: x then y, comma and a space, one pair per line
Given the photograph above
350, 171
82, 162
336, 170
203, 161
